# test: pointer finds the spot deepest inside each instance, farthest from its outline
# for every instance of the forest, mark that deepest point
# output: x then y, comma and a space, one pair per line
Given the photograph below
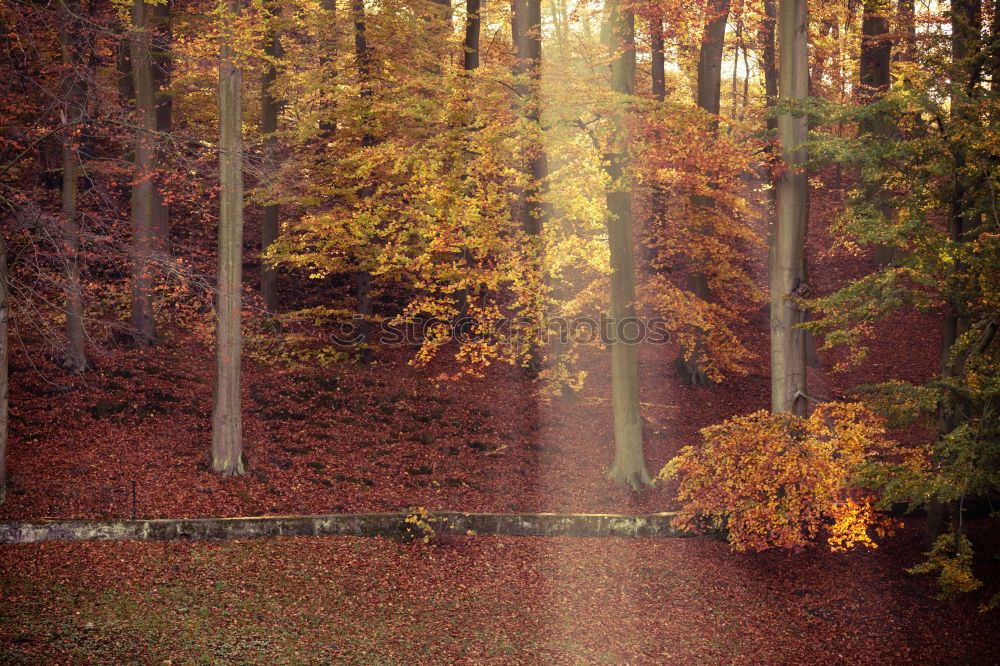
450, 331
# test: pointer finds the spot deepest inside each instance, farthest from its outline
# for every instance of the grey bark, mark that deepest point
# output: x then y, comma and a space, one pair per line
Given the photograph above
629, 464
770, 68
76, 354
788, 269
227, 435
143, 184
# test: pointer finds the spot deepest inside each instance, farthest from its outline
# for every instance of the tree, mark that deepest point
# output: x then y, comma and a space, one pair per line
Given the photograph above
769, 59
269, 109
327, 69
362, 275
769, 66
964, 225
123, 65
787, 272
143, 183
443, 15
938, 171
473, 21
629, 465
162, 63
708, 98
4, 367
72, 117
227, 431
873, 74
710, 59
657, 59
905, 18
873, 81
526, 27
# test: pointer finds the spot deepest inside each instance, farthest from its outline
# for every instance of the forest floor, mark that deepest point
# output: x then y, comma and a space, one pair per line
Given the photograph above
388, 435
480, 599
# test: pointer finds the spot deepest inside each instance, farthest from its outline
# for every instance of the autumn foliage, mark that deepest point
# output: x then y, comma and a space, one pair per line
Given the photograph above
781, 481
472, 207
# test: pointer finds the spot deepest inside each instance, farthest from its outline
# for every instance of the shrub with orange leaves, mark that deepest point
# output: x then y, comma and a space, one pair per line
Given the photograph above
778, 480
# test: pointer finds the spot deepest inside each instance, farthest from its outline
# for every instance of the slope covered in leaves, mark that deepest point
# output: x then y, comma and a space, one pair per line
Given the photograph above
354, 437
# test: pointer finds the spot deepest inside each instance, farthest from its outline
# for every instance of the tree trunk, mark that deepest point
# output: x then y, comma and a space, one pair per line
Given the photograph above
966, 17
124, 66
161, 36
657, 58
873, 82
269, 109
472, 30
769, 59
227, 435
76, 355
770, 69
659, 198
629, 465
993, 58
905, 16
745, 102
143, 185
709, 98
769, 64
558, 26
470, 62
710, 60
328, 73
559, 10
443, 15
788, 271
363, 277
966, 20
4, 359
736, 67
526, 19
